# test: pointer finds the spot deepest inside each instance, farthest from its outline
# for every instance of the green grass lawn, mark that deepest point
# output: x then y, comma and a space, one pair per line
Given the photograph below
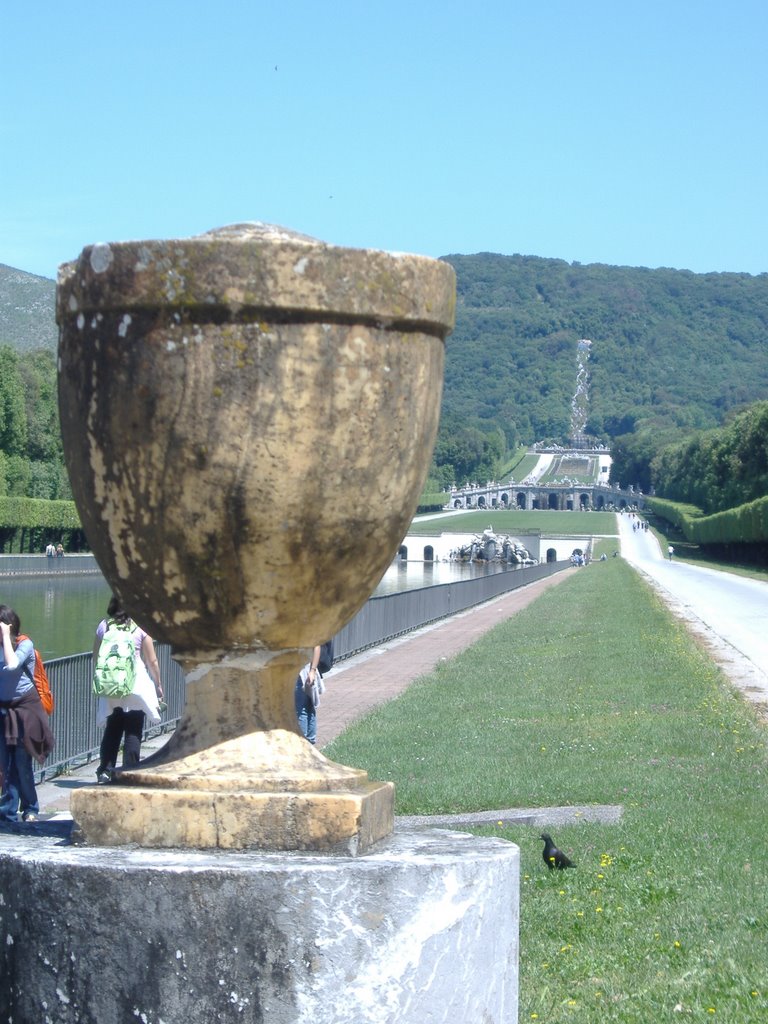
516, 464
596, 694
526, 465
517, 522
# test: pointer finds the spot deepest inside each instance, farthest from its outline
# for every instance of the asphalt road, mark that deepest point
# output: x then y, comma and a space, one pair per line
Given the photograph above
731, 612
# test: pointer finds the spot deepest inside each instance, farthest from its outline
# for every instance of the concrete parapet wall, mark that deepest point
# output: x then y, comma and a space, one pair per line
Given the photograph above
424, 929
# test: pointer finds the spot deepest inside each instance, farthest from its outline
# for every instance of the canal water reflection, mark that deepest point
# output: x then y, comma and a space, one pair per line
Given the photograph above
414, 575
61, 612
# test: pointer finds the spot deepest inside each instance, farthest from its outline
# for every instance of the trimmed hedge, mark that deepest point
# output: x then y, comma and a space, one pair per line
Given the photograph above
675, 512
37, 513
744, 524
434, 502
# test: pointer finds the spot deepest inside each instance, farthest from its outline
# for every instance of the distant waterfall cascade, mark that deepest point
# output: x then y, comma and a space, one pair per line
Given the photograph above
580, 400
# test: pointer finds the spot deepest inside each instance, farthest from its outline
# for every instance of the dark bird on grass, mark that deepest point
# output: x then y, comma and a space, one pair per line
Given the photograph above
553, 857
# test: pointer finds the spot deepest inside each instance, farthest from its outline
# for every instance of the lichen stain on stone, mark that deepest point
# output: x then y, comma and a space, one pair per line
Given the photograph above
101, 257
144, 258
175, 586
175, 285
116, 511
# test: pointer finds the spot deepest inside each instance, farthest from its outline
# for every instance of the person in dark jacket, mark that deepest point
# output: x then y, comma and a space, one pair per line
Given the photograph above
25, 734
309, 687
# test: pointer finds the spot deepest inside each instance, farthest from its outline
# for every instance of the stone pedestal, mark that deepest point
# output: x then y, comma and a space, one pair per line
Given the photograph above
217, 784
343, 821
424, 929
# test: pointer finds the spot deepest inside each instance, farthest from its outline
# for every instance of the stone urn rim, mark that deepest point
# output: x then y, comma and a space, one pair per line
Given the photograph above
254, 269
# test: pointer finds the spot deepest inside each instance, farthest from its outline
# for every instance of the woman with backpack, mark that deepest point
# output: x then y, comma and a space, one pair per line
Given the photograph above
123, 717
24, 730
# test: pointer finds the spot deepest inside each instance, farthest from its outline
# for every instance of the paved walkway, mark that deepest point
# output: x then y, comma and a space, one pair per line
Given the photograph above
729, 613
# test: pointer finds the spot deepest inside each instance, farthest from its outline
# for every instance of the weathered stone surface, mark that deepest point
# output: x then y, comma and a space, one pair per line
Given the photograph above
236, 773
425, 929
349, 821
247, 418
239, 729
247, 421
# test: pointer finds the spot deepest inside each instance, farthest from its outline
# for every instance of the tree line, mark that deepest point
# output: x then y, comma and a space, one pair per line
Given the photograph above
712, 485
31, 456
714, 470
676, 358
35, 497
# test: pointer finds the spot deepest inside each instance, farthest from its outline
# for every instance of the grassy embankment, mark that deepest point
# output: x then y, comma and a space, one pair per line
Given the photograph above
596, 694
522, 468
517, 464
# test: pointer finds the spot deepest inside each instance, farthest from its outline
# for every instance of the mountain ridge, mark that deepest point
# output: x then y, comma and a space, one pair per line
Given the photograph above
27, 310
671, 349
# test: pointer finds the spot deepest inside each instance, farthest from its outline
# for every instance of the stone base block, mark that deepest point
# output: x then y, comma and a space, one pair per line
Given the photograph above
348, 821
421, 931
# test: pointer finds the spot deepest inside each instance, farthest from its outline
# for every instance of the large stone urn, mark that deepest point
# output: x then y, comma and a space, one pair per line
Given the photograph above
248, 417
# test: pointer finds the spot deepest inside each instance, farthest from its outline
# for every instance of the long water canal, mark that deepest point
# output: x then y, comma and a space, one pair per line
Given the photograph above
61, 611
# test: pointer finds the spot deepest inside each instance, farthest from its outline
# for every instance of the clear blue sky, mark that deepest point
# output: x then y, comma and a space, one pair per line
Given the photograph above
616, 131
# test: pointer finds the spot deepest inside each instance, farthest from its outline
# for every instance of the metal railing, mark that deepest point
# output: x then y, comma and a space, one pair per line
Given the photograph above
383, 618
379, 620
74, 715
42, 565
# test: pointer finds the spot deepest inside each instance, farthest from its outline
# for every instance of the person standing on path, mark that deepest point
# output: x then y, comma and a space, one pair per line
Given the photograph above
124, 717
309, 687
307, 696
24, 730
670, 552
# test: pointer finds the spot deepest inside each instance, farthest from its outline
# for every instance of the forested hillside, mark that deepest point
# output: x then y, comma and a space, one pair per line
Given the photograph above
671, 351
718, 469
31, 457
